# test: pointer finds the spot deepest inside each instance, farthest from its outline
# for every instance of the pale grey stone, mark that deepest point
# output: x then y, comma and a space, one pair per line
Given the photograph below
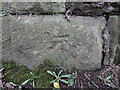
34, 7
69, 44
117, 54
113, 28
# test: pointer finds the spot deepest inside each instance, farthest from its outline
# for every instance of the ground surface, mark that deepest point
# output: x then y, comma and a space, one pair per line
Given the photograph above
89, 79
82, 79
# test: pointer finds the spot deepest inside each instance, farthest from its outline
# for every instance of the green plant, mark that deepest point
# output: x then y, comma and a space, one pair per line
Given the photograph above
19, 73
20, 86
67, 79
33, 77
106, 80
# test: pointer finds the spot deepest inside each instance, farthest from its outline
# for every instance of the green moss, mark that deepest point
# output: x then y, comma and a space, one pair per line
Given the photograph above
44, 80
14, 73
18, 74
47, 65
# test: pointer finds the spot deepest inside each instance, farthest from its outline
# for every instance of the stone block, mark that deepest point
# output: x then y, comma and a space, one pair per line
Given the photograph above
74, 44
33, 7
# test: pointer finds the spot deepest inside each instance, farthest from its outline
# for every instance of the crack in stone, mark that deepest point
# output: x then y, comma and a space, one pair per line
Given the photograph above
106, 43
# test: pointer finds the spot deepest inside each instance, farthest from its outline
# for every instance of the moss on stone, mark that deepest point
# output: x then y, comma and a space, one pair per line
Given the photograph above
47, 64
18, 73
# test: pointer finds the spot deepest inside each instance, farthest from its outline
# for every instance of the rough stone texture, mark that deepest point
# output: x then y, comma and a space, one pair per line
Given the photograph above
0, 36
117, 55
30, 40
0, 5
113, 28
115, 39
70, 44
33, 7
6, 39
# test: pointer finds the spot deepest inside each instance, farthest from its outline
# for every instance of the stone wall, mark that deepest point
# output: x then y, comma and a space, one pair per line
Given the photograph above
36, 31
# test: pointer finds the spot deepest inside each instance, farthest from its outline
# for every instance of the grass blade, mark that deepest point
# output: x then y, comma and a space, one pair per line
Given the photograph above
53, 81
12, 84
31, 73
100, 77
60, 72
66, 76
51, 73
33, 83
108, 84
108, 81
70, 82
55, 74
25, 82
64, 81
109, 77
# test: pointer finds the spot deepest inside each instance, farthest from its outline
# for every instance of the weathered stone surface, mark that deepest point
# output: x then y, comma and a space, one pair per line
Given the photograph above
70, 44
33, 7
117, 55
119, 29
0, 37
113, 28
6, 39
